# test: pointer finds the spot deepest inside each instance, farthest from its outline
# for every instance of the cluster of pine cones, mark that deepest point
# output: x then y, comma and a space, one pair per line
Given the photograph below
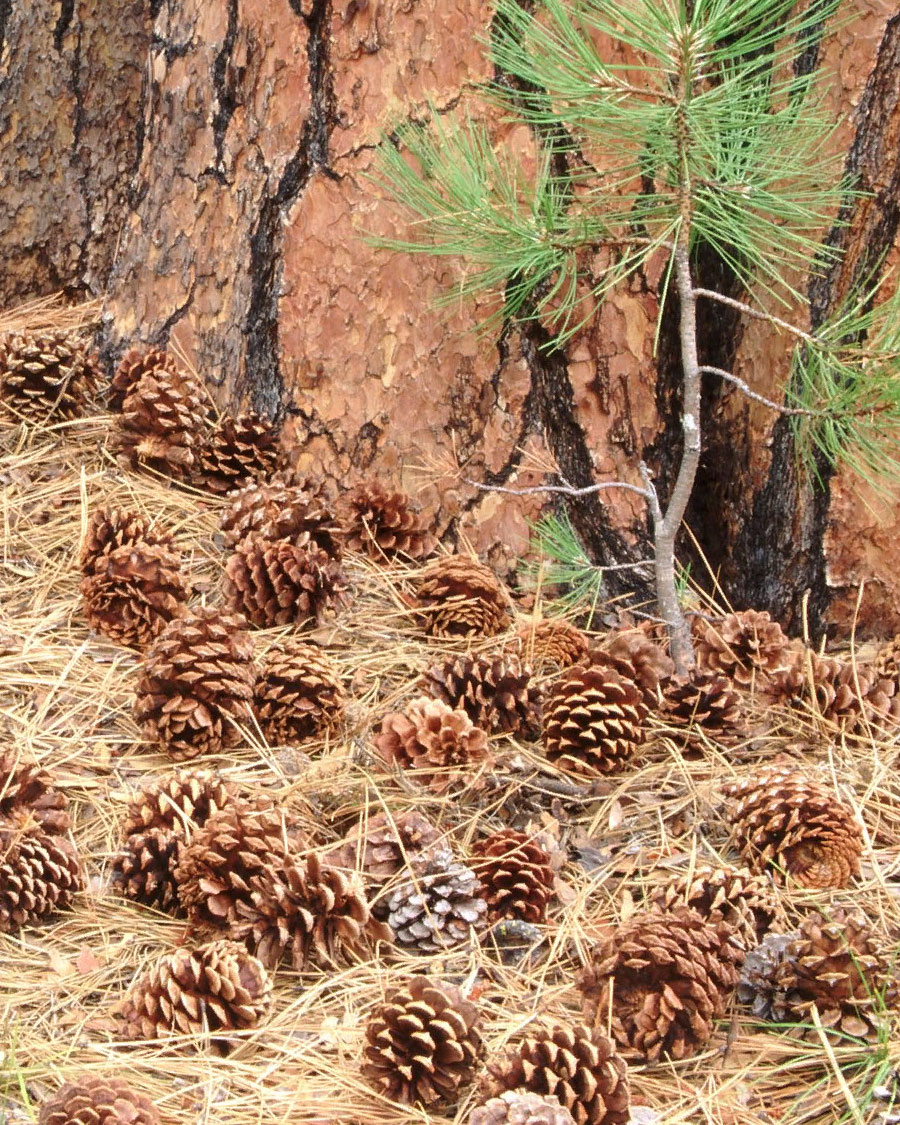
259, 885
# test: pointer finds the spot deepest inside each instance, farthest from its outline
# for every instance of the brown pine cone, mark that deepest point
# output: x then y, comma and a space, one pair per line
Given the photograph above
379, 846
887, 661
643, 660
283, 508
299, 694
578, 1065
745, 646
790, 824
111, 529
440, 907
552, 641
665, 976
593, 720
724, 894
458, 596
39, 872
852, 695
197, 681
214, 989
275, 582
422, 1043
384, 524
144, 870
133, 365
441, 744
162, 421
236, 451
706, 701
26, 788
98, 1099
46, 375
494, 691
515, 874
518, 1107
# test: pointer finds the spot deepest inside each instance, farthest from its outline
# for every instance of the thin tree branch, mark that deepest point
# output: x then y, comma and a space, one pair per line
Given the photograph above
757, 314
562, 489
745, 389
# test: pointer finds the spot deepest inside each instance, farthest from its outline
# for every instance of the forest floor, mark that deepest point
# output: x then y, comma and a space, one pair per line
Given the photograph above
66, 699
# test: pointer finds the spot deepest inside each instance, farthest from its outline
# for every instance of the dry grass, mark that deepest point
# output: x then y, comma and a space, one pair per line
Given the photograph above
65, 700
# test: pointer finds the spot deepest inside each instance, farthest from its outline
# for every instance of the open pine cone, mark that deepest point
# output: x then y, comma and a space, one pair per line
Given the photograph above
299, 694
458, 596
25, 788
276, 582
744, 646
790, 824
236, 451
745, 901
441, 744
704, 700
39, 871
110, 529
98, 1099
283, 508
578, 1065
422, 1043
887, 661
494, 691
384, 524
135, 363
666, 977
442, 906
197, 681
215, 990
46, 375
593, 719
379, 846
515, 874
638, 657
551, 641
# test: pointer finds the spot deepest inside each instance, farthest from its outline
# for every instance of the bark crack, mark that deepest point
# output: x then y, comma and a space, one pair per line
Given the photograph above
225, 90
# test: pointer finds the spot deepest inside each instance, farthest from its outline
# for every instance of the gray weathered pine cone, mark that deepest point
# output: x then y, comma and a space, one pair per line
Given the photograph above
442, 906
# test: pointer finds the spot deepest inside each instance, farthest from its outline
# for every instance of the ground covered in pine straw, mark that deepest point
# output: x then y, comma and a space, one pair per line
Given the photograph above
65, 700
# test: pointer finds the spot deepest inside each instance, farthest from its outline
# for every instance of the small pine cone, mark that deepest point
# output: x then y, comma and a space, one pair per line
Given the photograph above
744, 646
162, 420
198, 677
379, 846
109, 530
299, 694
518, 1107
724, 894
95, 1099
26, 788
46, 375
789, 823
459, 596
133, 365
276, 582
217, 988
887, 661
552, 641
39, 872
422, 1043
440, 907
666, 977
756, 987
430, 737
236, 451
593, 720
516, 876
706, 701
383, 524
644, 661
494, 691
578, 1065
144, 871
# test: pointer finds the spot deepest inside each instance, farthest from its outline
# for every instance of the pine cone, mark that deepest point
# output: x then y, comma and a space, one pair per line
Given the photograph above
724, 894
515, 874
788, 822
552, 641
441, 744
422, 1043
494, 691
236, 451
198, 676
384, 524
299, 694
26, 788
593, 720
39, 872
706, 701
163, 418
517, 1107
642, 660
440, 907
283, 508
46, 375
140, 590
380, 846
133, 365
275, 582
852, 695
144, 870
745, 646
887, 661
666, 977
97, 1099
111, 529
214, 989
458, 596
577, 1065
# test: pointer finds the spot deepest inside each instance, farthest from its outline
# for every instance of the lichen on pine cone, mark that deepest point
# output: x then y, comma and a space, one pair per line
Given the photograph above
496, 692
441, 744
26, 788
518, 1107
516, 875
747, 902
237, 450
299, 693
636, 655
745, 647
788, 823
578, 1065
384, 524
705, 701
282, 507
422, 1043
197, 682
39, 871
552, 641
216, 989
458, 596
97, 1099
380, 846
440, 907
663, 978
593, 719
277, 582
46, 375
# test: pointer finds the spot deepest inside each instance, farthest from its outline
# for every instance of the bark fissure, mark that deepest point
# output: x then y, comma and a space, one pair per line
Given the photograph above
225, 91
5, 13
66, 12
